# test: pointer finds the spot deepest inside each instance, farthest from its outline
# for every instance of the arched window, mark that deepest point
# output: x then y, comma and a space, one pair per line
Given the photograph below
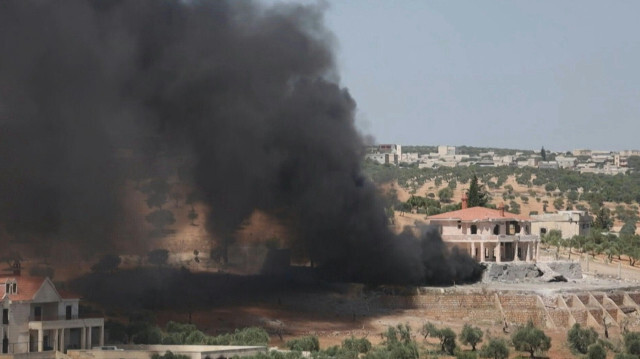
496, 229
474, 229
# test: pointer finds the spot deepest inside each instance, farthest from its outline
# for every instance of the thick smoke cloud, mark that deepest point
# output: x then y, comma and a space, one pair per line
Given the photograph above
249, 93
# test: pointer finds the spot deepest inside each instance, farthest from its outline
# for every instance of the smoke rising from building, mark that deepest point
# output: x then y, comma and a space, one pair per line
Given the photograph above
250, 93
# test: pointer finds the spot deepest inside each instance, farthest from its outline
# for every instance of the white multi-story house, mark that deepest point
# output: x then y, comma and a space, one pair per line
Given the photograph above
36, 317
488, 235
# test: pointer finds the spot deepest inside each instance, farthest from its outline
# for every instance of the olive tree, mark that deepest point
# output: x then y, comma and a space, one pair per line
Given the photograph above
470, 336
530, 339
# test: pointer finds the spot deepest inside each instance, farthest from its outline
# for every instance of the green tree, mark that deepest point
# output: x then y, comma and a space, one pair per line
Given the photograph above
580, 339
632, 342
496, 348
429, 330
554, 238
476, 195
573, 195
361, 345
447, 340
446, 335
470, 336
543, 154
307, 344
445, 194
398, 344
633, 162
603, 221
558, 203
630, 246
514, 207
530, 339
578, 241
596, 351
629, 227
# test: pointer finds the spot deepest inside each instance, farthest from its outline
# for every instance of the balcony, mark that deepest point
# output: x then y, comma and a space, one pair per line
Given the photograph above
63, 321
489, 238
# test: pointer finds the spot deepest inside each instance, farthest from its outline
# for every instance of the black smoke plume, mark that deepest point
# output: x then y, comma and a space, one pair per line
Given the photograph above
248, 92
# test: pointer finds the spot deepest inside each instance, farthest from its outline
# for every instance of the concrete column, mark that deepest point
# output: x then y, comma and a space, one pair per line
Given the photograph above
515, 253
537, 251
473, 250
40, 339
496, 252
101, 335
89, 344
63, 345
83, 338
481, 251
529, 252
55, 340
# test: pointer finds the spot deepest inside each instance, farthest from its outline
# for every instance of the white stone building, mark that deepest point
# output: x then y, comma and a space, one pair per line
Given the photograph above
444, 150
386, 153
570, 223
36, 317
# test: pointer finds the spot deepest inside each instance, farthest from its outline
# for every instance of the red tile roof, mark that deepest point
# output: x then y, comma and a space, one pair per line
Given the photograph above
27, 287
478, 214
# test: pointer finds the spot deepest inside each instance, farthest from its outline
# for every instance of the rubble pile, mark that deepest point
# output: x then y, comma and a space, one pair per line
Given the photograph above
559, 271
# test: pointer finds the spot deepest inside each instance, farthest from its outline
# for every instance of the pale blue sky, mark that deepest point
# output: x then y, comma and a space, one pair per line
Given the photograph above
516, 74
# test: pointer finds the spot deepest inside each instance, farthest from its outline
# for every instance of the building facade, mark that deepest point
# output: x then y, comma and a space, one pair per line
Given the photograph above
570, 223
385, 153
488, 235
36, 318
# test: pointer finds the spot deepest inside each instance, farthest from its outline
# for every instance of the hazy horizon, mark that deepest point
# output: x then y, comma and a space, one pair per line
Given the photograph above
562, 75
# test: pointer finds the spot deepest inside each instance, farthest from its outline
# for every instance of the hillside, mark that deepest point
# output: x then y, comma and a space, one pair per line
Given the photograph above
517, 197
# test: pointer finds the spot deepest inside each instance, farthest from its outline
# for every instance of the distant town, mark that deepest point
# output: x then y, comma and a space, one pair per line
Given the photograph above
582, 160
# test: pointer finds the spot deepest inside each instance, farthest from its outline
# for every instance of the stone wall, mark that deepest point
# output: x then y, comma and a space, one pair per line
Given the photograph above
558, 310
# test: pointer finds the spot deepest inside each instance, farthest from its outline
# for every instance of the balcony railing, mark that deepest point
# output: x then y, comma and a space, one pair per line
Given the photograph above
47, 318
489, 237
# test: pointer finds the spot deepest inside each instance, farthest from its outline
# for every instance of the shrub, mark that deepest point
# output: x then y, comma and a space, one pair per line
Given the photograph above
148, 335
496, 349
596, 351
169, 355
361, 345
466, 355
580, 339
625, 356
308, 344
632, 343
